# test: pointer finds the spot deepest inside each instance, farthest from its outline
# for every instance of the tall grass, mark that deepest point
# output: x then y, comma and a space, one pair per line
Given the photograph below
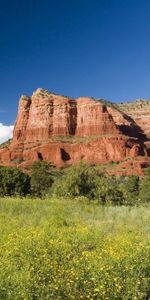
62, 249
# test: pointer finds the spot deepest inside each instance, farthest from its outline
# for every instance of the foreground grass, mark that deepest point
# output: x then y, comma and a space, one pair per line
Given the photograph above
52, 249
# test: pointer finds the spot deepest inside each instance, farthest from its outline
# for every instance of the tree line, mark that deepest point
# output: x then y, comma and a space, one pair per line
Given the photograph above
81, 181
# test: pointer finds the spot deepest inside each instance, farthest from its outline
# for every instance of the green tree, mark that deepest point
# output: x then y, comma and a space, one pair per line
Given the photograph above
130, 185
77, 181
13, 181
145, 187
42, 177
106, 190
89, 181
1, 184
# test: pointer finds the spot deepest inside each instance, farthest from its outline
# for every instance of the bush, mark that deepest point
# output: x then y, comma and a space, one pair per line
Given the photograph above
129, 185
106, 190
42, 177
88, 181
14, 182
145, 187
76, 181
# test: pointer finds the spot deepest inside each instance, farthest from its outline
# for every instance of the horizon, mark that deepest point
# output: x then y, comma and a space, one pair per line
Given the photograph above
87, 48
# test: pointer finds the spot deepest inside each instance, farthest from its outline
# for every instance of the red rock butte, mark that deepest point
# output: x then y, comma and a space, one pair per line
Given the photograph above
65, 131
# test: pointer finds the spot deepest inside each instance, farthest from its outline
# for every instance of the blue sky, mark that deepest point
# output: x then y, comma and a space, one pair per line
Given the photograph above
98, 48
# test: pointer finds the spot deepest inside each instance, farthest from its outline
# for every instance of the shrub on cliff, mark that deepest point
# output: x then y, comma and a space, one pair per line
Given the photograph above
14, 182
42, 177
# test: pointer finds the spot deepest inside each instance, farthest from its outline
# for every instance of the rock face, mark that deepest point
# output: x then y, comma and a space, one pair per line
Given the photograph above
139, 111
125, 123
65, 131
50, 115
22, 119
93, 118
45, 115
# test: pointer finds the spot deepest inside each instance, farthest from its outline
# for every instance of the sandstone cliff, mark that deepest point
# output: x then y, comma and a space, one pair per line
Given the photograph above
139, 111
65, 131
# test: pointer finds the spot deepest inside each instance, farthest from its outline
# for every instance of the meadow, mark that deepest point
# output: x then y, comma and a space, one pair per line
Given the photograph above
72, 249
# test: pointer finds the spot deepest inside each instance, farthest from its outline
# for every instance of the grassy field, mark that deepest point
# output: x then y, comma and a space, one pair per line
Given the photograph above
54, 249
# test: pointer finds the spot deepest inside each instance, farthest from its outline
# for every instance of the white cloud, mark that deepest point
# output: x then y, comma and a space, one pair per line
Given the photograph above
5, 132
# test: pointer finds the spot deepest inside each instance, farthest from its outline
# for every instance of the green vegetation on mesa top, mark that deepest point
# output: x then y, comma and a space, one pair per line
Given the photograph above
5, 144
44, 93
111, 104
136, 104
123, 106
78, 139
63, 249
